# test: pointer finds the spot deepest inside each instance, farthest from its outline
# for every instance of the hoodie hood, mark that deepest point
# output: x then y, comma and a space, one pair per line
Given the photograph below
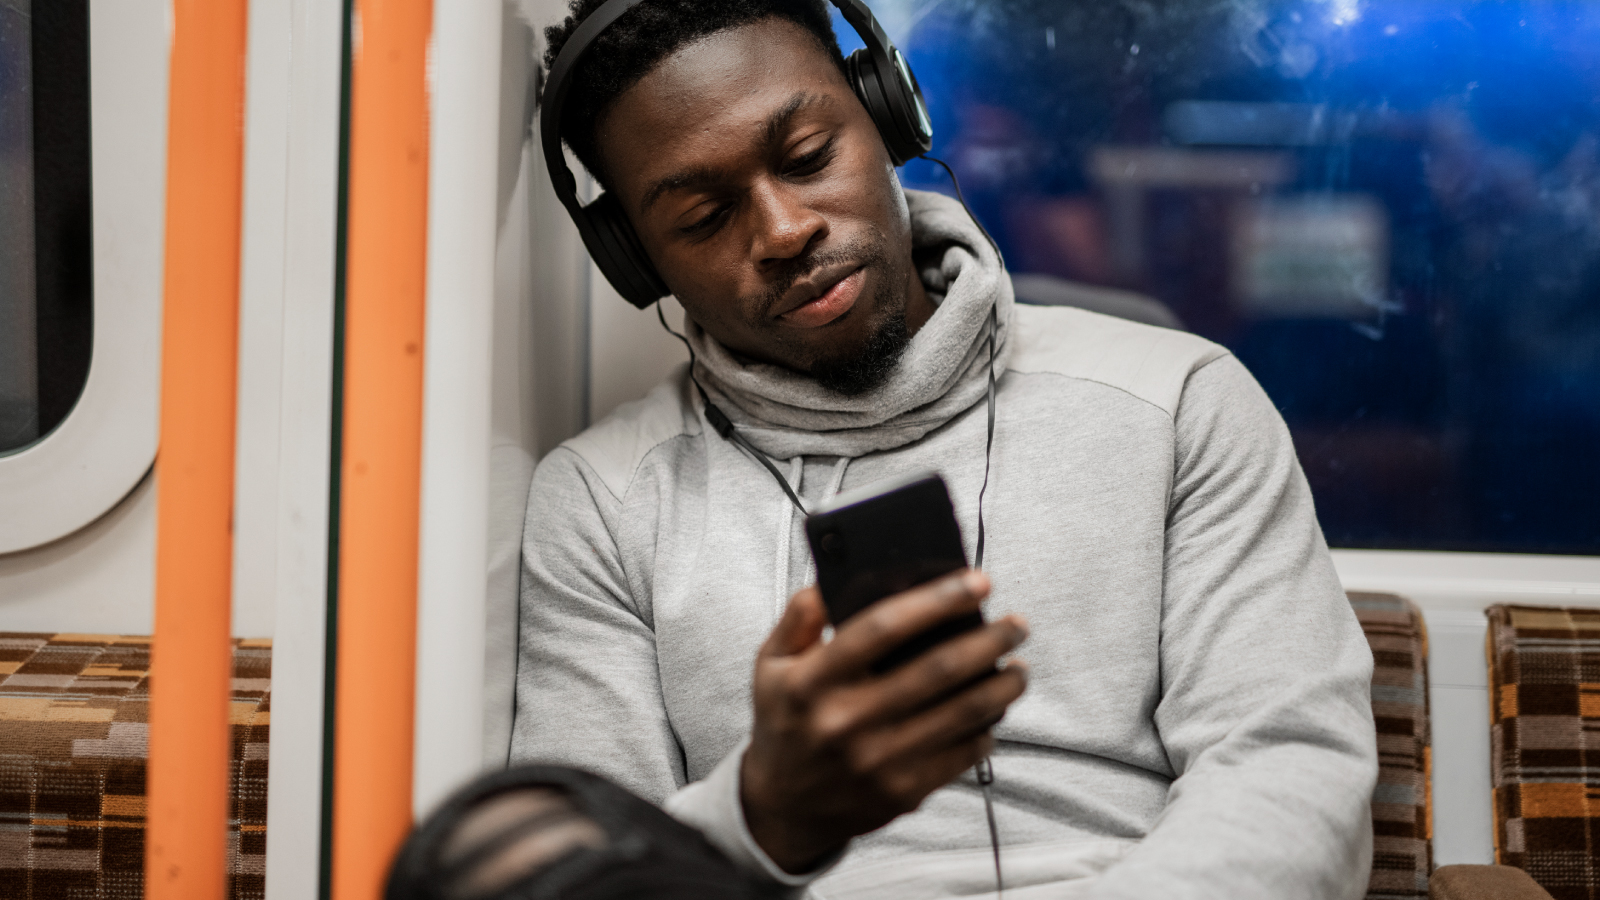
940, 375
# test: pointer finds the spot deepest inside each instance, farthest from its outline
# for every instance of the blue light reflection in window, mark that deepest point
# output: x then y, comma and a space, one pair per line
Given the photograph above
1389, 211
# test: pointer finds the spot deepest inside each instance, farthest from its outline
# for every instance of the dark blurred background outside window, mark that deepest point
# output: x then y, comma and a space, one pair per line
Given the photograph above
1389, 211
46, 267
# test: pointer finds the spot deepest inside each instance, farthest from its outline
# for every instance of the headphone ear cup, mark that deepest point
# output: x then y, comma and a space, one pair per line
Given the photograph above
616, 249
894, 101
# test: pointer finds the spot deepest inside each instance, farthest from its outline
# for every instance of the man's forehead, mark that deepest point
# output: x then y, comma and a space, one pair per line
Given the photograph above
730, 86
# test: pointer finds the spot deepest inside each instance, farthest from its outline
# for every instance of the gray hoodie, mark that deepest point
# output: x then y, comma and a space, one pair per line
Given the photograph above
1197, 721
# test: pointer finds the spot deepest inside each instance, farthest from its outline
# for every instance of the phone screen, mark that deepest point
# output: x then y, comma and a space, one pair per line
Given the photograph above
883, 539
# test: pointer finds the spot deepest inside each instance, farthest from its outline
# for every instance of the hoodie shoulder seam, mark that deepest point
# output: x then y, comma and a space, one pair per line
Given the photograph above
618, 489
618, 445
1146, 401
1150, 363
1121, 389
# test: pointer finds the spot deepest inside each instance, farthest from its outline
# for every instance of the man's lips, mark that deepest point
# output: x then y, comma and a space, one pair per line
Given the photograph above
833, 300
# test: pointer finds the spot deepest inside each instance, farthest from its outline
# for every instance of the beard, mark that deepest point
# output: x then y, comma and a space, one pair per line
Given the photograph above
873, 364
870, 365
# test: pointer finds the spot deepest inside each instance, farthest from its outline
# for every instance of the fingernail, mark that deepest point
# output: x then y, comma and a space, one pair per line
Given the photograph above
975, 581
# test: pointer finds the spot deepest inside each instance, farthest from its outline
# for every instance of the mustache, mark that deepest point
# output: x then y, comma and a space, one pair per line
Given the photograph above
861, 253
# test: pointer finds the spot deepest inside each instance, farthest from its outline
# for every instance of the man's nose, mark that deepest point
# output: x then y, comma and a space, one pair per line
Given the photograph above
785, 227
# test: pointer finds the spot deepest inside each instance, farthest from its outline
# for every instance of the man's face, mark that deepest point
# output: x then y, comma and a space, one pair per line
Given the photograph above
767, 201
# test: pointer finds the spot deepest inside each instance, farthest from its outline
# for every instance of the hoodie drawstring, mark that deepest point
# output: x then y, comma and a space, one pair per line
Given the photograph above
786, 526
797, 471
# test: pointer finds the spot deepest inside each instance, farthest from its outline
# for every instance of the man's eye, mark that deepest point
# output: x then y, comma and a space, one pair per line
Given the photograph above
707, 224
813, 162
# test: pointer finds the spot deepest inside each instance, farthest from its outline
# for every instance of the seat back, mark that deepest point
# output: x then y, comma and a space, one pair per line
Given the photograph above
1402, 802
1544, 700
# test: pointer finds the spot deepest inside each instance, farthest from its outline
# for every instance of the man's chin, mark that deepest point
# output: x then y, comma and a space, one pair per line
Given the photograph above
870, 366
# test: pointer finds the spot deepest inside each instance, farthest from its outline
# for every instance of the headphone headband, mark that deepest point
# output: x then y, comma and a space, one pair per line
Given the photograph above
879, 75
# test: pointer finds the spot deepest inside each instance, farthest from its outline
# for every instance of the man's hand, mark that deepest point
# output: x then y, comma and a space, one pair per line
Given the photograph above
838, 751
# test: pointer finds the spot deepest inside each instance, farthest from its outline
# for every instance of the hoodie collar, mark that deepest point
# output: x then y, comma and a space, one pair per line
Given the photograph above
940, 375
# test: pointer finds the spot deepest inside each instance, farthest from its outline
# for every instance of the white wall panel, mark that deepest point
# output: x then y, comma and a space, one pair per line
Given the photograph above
453, 565
285, 402
514, 408
630, 352
97, 580
261, 337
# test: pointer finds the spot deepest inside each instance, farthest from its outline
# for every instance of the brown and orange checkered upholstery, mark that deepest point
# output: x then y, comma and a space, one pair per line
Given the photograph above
73, 744
1544, 693
1402, 809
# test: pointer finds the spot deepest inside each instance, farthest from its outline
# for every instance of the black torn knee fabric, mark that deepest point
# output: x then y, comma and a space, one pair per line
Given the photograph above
554, 833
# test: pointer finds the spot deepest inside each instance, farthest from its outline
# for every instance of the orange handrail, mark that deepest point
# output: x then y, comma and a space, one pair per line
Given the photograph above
381, 468
190, 672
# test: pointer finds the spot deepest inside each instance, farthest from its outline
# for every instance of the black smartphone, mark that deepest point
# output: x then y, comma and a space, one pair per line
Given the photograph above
882, 539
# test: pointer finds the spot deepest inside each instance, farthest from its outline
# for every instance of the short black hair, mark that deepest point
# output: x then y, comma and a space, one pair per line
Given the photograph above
647, 34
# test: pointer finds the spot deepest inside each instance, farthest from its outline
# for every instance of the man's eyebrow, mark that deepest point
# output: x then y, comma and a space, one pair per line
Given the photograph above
678, 181
772, 132
778, 122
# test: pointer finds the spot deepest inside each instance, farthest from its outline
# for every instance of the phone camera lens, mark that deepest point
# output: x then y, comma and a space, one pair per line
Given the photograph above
832, 543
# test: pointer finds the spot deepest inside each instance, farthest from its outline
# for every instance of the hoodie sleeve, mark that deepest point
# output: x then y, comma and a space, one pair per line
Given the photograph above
588, 684
1265, 710
588, 689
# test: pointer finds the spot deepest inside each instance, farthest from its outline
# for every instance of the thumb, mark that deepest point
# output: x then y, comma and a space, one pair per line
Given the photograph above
801, 625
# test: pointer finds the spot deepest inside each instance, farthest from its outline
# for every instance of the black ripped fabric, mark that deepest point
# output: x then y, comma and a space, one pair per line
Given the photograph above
648, 854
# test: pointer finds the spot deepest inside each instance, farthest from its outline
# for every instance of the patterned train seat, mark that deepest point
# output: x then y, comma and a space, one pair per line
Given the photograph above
1402, 803
73, 744
1544, 693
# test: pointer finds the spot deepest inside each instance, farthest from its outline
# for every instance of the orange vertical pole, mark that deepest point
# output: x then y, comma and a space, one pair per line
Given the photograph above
381, 469
187, 787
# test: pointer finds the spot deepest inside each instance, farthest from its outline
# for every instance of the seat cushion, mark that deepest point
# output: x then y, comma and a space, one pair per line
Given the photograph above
1484, 883
1544, 700
1402, 807
73, 739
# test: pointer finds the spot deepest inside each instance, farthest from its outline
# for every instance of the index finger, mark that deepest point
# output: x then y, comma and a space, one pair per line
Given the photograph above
867, 636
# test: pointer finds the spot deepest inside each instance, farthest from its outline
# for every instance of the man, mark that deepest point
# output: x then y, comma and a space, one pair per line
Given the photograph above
1195, 721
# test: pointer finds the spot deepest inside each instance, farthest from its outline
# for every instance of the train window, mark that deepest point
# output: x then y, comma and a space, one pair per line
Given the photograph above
1389, 211
46, 283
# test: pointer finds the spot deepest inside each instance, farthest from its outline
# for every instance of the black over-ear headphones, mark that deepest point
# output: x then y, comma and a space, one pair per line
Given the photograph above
879, 74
